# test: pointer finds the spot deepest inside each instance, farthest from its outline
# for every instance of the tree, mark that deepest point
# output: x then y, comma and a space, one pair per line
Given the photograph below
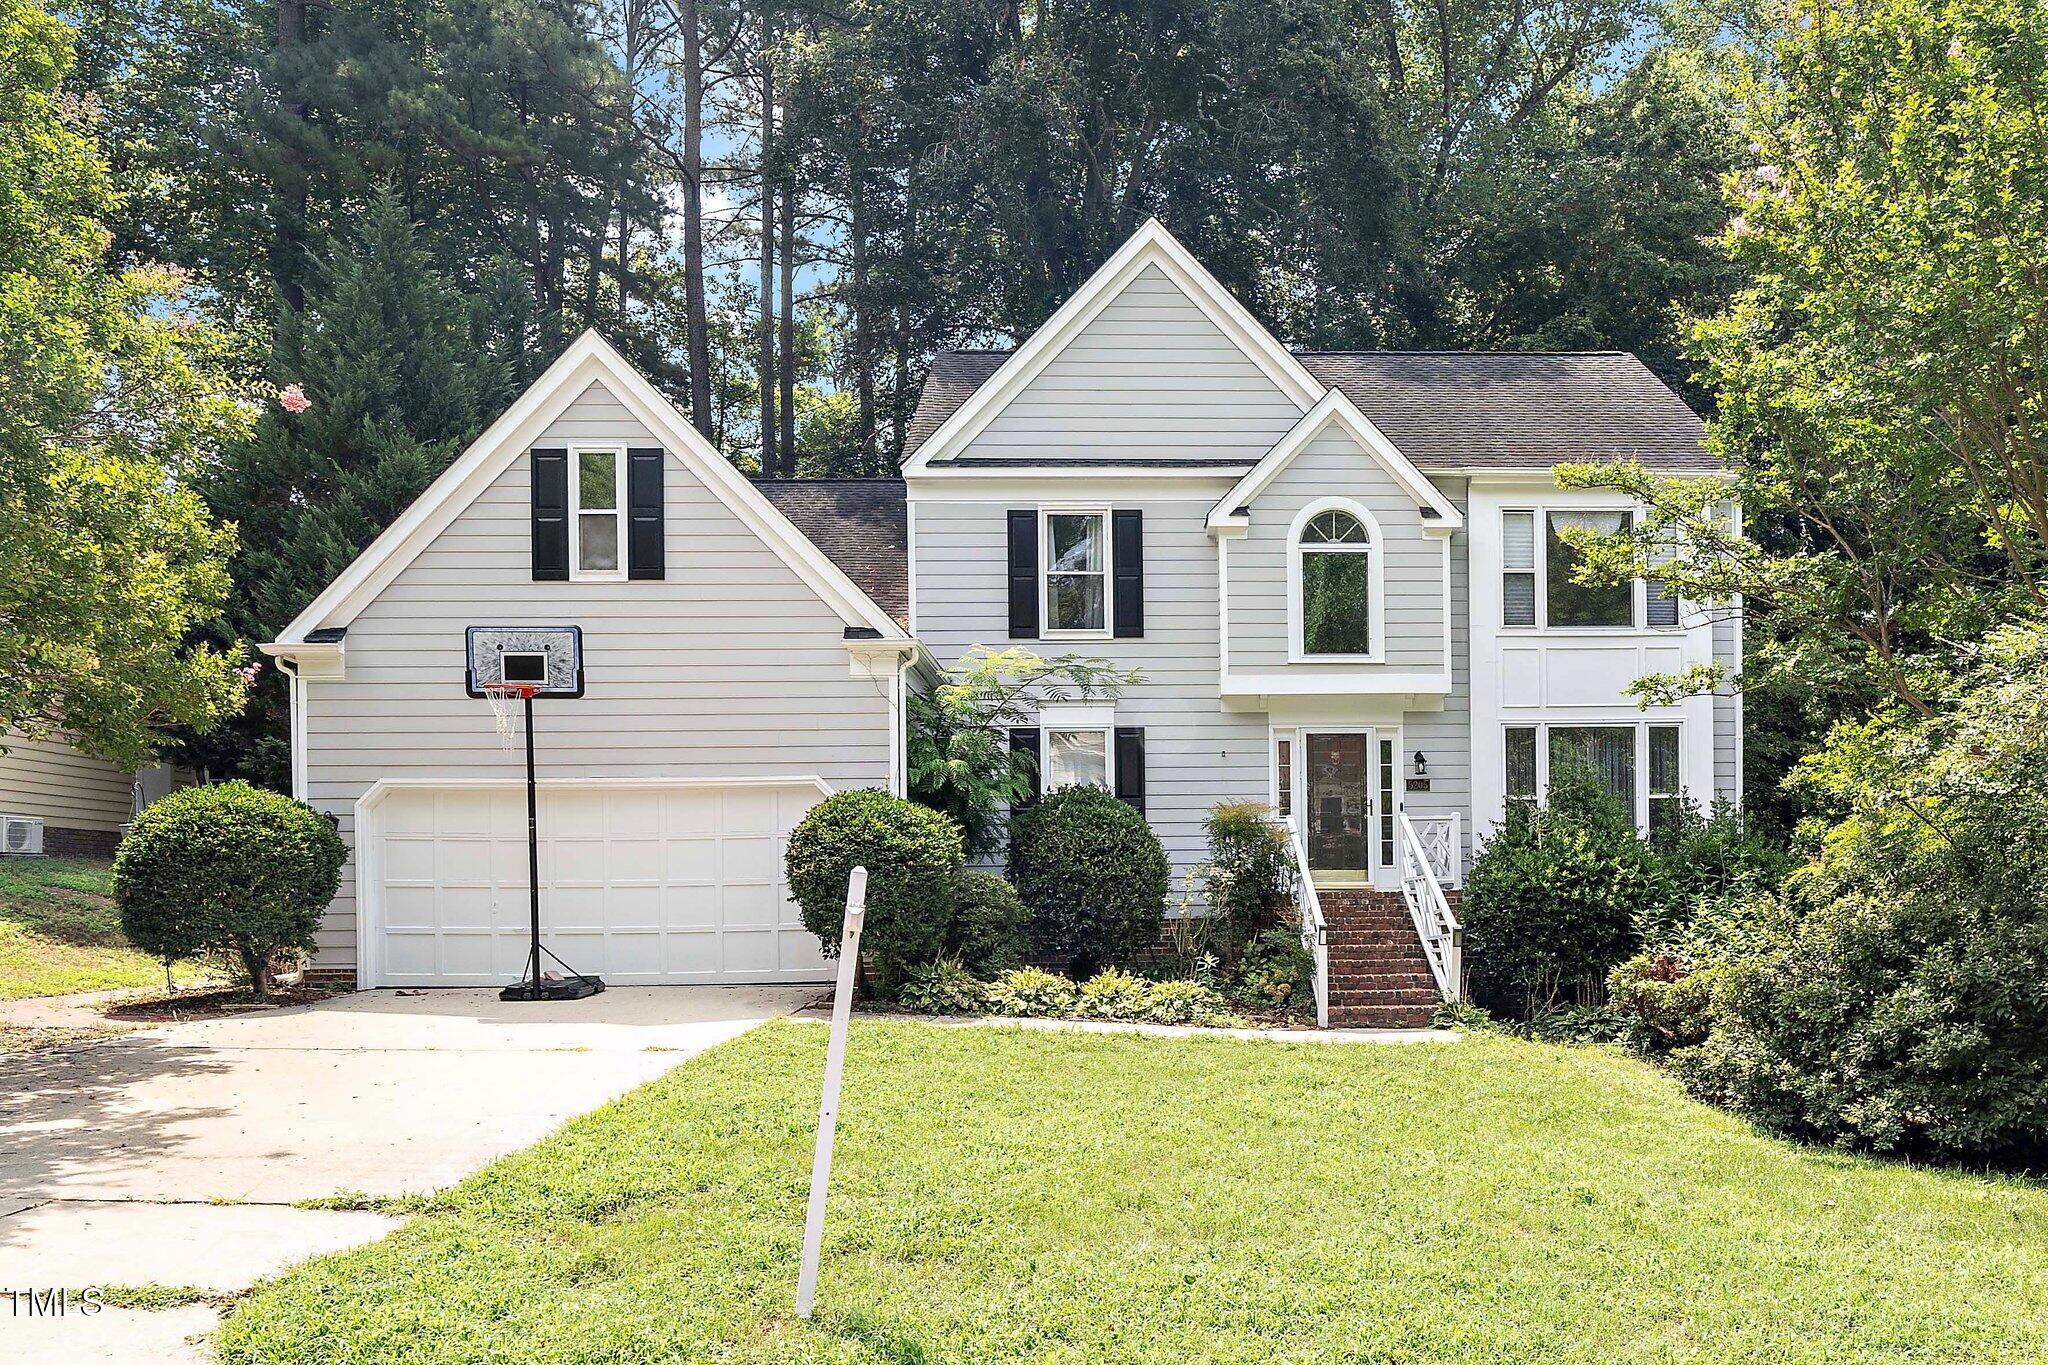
111, 395
1881, 395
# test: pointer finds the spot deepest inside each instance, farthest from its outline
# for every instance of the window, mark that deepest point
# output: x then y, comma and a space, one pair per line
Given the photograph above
1660, 604
1518, 568
1076, 758
1334, 571
1607, 751
596, 485
1387, 811
1521, 764
1618, 757
1570, 603
1666, 809
1285, 762
1076, 571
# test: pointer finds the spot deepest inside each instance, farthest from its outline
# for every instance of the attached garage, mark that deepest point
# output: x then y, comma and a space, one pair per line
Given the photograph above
642, 883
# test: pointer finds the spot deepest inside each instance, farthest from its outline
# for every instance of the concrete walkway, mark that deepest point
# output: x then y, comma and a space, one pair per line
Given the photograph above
172, 1155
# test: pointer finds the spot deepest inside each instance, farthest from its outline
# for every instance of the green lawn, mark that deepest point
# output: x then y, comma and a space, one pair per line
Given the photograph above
1003, 1195
60, 932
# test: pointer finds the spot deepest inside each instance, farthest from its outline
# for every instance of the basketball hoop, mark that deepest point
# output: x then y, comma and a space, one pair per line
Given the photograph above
504, 698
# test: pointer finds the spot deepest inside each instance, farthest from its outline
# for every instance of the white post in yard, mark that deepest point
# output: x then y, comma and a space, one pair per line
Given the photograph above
828, 1109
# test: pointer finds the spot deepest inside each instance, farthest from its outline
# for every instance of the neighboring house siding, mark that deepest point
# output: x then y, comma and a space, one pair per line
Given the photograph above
729, 668
1334, 465
1196, 755
49, 780
1728, 713
1150, 378
1445, 737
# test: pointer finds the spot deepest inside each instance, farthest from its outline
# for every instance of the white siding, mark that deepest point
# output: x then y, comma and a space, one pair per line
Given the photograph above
1728, 713
1149, 378
1334, 465
1196, 755
729, 667
67, 789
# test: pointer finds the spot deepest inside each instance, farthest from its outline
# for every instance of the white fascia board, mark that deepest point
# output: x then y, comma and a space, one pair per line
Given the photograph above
1150, 245
1352, 681
588, 358
1335, 407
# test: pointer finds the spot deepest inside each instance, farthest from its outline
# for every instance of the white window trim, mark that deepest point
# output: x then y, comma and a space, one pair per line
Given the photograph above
1642, 729
1045, 571
1070, 718
577, 573
1375, 566
1639, 602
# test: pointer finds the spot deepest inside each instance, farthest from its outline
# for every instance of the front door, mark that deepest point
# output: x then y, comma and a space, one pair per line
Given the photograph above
1340, 813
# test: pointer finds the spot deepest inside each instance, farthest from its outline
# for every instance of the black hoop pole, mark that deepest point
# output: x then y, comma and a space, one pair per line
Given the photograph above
532, 850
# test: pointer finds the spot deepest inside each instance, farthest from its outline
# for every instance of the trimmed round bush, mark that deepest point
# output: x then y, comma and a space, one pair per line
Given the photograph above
913, 856
229, 869
1093, 875
988, 925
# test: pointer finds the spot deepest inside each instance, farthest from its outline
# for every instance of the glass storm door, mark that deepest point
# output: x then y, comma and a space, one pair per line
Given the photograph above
1339, 823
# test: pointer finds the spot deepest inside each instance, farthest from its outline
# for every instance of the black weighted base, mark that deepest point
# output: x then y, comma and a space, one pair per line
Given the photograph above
562, 988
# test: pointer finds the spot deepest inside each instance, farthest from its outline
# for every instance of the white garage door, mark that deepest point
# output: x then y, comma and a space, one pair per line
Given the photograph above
643, 885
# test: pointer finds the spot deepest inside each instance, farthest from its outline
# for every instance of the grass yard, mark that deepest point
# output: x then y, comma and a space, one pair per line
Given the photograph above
1003, 1195
60, 932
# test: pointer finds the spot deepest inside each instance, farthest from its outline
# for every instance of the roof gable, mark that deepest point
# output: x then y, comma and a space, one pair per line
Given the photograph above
1339, 411
1152, 251
588, 359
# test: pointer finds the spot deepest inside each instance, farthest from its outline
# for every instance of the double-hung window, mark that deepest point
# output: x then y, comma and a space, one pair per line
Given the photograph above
1540, 589
1078, 750
1076, 559
1615, 757
597, 481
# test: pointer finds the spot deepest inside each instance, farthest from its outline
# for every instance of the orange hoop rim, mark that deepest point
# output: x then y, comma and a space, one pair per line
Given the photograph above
520, 690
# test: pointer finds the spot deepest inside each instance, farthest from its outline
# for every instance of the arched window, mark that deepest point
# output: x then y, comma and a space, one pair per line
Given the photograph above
1335, 578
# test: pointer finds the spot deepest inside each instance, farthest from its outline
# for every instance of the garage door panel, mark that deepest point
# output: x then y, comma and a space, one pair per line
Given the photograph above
639, 884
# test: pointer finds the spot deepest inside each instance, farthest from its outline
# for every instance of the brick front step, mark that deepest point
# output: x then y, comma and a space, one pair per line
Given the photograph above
1400, 1016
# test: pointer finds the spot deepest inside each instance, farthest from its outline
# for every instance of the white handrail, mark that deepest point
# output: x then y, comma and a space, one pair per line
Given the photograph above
1443, 937
1315, 935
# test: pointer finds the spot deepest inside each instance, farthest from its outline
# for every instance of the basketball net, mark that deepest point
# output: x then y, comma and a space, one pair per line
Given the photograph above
505, 699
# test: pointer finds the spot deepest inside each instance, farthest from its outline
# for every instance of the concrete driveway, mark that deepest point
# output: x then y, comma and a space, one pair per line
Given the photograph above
173, 1156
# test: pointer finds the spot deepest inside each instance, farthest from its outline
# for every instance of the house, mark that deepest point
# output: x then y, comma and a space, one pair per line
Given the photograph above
58, 800
1339, 576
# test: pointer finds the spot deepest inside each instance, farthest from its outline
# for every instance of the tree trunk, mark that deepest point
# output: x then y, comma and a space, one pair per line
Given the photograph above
288, 211
632, 16
769, 467
863, 326
786, 305
695, 313
256, 965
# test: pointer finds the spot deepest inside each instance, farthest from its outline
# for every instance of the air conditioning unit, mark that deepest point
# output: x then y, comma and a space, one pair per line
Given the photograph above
21, 834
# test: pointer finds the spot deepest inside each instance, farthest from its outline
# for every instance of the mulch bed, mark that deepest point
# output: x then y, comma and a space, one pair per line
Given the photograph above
213, 1004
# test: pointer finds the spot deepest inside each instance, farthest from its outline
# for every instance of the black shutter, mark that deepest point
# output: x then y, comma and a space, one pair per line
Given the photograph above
1130, 765
1127, 541
644, 555
1024, 740
1023, 575
550, 515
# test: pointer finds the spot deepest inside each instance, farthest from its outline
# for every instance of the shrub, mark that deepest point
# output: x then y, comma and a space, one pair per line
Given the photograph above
988, 924
1181, 1001
1703, 862
1897, 1005
942, 987
1093, 874
1276, 972
1663, 998
912, 855
1114, 994
1463, 1016
1250, 877
229, 869
1032, 993
1552, 899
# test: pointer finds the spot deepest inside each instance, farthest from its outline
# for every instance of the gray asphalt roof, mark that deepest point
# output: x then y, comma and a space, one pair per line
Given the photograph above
861, 527
1456, 409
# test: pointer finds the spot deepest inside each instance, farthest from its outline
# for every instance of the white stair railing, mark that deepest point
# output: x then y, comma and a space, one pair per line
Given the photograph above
1436, 924
1315, 935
